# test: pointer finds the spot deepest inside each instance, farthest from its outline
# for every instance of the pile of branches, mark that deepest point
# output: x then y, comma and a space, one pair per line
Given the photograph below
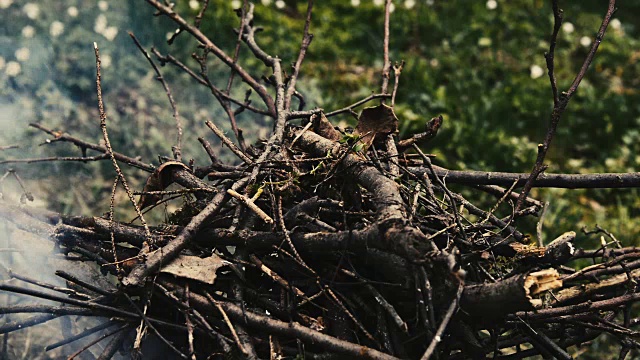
327, 242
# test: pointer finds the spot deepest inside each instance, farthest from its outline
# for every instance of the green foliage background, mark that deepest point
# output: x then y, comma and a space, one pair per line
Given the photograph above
472, 63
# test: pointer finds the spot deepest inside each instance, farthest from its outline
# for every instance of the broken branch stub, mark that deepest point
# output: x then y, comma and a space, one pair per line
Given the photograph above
517, 293
323, 127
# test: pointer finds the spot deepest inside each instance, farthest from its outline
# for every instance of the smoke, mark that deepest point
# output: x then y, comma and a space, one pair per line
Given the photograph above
26, 258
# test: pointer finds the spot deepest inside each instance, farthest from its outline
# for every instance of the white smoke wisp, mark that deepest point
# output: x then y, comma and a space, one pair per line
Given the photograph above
25, 257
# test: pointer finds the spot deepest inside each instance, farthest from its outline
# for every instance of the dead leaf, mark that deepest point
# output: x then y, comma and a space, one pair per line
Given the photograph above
158, 181
324, 128
196, 268
376, 120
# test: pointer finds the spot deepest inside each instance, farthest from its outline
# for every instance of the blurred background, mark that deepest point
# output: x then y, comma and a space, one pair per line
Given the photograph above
478, 63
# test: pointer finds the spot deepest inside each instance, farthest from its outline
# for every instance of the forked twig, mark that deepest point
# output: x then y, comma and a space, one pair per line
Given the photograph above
177, 149
103, 126
563, 99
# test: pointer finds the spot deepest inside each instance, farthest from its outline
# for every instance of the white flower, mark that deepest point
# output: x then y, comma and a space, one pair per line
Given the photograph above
378, 2
280, 4
609, 162
32, 10
195, 5
536, 71
13, 68
105, 61
28, 31
484, 41
5, 3
22, 54
434, 63
266, 2
355, 2
110, 33
56, 29
585, 41
103, 5
575, 163
568, 27
409, 4
615, 24
72, 11
236, 4
2, 63
392, 7
100, 24
492, 4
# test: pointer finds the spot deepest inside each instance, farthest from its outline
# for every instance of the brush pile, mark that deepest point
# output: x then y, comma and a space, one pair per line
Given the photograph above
324, 243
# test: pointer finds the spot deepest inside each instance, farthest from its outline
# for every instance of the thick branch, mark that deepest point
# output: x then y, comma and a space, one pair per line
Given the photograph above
495, 300
569, 181
386, 192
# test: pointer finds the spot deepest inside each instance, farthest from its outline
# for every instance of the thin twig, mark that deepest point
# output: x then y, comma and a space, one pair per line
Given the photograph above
81, 335
146, 323
251, 205
437, 337
57, 158
357, 103
550, 56
386, 66
397, 70
83, 145
187, 318
103, 126
177, 149
253, 83
563, 100
172, 60
540, 223
454, 206
227, 321
202, 60
284, 230
236, 52
200, 15
114, 345
216, 130
306, 41
95, 341
110, 218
